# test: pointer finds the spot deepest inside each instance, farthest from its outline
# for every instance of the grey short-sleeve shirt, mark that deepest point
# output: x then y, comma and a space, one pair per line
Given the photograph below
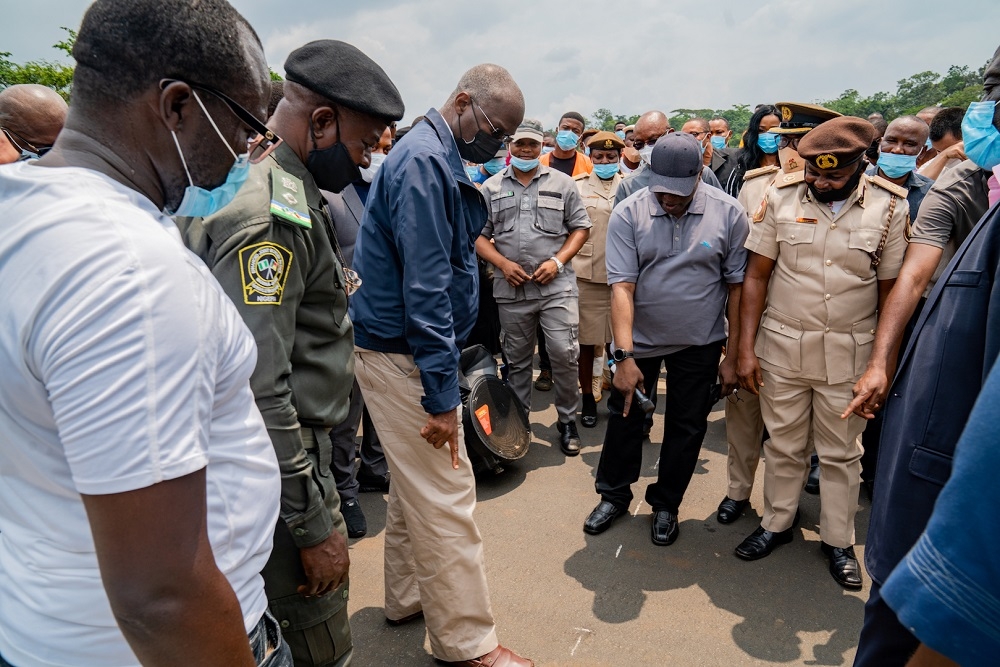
681, 267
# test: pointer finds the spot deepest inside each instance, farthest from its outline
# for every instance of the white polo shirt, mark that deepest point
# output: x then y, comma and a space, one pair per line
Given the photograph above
123, 364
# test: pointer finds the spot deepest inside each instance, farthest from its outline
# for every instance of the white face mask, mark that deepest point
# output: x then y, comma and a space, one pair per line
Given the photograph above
646, 154
367, 175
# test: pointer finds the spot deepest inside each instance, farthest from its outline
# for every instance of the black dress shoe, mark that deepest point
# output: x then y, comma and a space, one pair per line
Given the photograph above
664, 530
843, 566
588, 418
569, 439
761, 543
354, 518
812, 481
370, 483
396, 622
602, 516
730, 510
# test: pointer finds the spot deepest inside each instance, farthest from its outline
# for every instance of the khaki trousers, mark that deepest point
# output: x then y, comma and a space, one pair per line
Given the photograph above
433, 549
744, 430
791, 407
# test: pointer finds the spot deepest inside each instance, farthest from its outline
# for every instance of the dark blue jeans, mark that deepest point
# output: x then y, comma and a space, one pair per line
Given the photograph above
263, 638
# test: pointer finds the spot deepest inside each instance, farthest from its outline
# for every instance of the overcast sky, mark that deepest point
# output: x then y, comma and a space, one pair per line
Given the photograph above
629, 57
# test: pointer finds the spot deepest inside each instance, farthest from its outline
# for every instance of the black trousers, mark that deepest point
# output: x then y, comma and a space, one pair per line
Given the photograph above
884, 641
690, 376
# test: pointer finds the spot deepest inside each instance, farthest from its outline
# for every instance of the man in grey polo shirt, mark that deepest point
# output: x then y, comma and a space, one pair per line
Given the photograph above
675, 261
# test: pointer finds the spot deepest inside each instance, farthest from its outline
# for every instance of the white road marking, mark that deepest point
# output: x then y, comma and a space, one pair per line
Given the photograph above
637, 506
619, 551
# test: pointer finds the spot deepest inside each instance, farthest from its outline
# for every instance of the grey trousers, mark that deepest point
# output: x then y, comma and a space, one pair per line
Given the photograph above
345, 449
559, 317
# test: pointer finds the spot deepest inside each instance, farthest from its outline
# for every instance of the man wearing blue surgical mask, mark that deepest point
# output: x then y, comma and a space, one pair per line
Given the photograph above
902, 142
272, 251
31, 117
720, 161
565, 157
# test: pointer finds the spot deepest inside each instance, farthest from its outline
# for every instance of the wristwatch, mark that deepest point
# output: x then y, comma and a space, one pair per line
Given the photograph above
559, 265
621, 355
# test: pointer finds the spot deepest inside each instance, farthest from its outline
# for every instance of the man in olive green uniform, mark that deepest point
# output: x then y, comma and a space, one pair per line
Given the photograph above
744, 424
273, 251
824, 256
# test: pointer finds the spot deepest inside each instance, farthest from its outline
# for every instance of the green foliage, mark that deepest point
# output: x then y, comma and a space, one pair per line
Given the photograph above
275, 76
603, 119
57, 76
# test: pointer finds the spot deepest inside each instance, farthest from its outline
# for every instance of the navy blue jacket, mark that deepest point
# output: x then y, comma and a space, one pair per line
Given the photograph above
950, 353
416, 255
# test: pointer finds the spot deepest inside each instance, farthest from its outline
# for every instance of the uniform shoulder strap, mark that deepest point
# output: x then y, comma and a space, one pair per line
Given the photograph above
790, 179
760, 171
288, 199
885, 184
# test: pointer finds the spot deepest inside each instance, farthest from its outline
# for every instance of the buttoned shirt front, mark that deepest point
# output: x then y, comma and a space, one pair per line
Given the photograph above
529, 224
823, 293
599, 199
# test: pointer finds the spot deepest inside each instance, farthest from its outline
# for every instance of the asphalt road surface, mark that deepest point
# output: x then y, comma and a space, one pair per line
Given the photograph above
563, 597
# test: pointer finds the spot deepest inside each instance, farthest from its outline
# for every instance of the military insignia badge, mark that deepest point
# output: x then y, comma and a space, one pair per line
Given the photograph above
290, 198
264, 270
284, 202
289, 184
761, 210
786, 114
827, 161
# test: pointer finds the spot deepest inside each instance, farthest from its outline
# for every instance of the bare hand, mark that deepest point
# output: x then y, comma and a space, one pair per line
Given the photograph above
727, 375
442, 429
869, 394
326, 565
627, 378
748, 372
954, 152
546, 272
514, 274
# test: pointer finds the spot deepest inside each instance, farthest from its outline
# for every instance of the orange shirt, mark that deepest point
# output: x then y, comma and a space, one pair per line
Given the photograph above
583, 164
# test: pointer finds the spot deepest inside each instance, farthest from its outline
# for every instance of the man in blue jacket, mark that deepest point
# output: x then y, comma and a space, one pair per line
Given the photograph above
416, 255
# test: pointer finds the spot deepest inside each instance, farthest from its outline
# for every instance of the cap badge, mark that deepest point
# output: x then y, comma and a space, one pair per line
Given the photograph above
786, 114
608, 144
827, 161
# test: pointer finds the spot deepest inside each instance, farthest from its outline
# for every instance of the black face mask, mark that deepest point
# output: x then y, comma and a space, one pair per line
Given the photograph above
481, 149
332, 168
840, 194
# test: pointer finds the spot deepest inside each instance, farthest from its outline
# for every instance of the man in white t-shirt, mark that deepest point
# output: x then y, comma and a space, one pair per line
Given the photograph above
138, 486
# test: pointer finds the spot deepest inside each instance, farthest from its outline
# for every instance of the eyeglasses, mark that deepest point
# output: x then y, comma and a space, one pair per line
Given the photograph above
22, 144
497, 133
639, 145
263, 137
789, 141
699, 135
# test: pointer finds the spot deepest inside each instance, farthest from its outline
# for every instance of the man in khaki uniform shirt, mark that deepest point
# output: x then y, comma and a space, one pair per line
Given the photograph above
824, 255
598, 192
744, 424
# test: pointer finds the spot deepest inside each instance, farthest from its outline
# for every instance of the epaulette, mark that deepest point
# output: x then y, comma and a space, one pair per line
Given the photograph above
581, 177
760, 171
885, 184
288, 199
794, 178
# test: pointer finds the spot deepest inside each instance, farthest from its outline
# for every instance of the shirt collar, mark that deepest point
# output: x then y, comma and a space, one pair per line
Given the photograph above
290, 162
450, 144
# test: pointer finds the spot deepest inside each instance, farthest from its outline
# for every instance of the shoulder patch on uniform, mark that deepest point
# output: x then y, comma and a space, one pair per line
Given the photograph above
878, 181
760, 171
288, 199
761, 210
790, 179
264, 270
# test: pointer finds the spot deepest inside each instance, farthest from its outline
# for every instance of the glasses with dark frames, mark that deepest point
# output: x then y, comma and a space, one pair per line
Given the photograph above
497, 133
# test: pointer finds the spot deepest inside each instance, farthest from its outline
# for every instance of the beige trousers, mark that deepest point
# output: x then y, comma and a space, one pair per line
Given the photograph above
791, 407
744, 429
433, 549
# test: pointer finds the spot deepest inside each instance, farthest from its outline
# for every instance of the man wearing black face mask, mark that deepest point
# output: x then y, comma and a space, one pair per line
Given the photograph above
824, 255
274, 252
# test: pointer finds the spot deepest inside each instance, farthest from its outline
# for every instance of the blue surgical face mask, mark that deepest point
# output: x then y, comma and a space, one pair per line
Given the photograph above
586, 151
718, 142
928, 145
606, 171
982, 140
567, 140
495, 165
547, 149
895, 165
768, 142
523, 165
620, 135
199, 202
472, 171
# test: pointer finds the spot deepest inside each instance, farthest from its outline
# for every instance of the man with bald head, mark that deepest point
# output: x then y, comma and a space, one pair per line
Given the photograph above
31, 117
718, 159
139, 489
416, 254
651, 126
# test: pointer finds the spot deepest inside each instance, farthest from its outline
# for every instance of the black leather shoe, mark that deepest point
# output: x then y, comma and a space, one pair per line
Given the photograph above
602, 516
843, 566
730, 510
664, 531
588, 418
569, 439
761, 543
396, 622
812, 481
370, 483
354, 518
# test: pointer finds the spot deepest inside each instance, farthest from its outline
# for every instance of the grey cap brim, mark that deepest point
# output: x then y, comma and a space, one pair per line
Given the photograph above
680, 186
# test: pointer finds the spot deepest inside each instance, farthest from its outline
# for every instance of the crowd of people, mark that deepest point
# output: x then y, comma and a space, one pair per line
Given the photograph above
216, 281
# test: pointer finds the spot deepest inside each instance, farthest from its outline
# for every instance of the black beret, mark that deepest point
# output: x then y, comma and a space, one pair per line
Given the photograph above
837, 143
343, 74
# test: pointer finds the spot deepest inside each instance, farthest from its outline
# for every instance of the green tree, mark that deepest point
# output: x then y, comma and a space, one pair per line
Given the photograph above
604, 119
55, 75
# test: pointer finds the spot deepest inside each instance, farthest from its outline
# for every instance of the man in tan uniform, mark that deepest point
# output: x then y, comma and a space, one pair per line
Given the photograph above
824, 255
598, 191
744, 424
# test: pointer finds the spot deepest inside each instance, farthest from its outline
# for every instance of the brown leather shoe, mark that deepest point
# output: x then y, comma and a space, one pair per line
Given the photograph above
498, 657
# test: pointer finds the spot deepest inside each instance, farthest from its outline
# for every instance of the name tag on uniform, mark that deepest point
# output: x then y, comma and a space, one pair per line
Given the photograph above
501, 195
808, 221
549, 193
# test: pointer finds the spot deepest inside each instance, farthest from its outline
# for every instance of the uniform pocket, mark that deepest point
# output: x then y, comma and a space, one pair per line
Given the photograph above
503, 213
550, 215
861, 243
864, 339
795, 240
781, 340
583, 262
